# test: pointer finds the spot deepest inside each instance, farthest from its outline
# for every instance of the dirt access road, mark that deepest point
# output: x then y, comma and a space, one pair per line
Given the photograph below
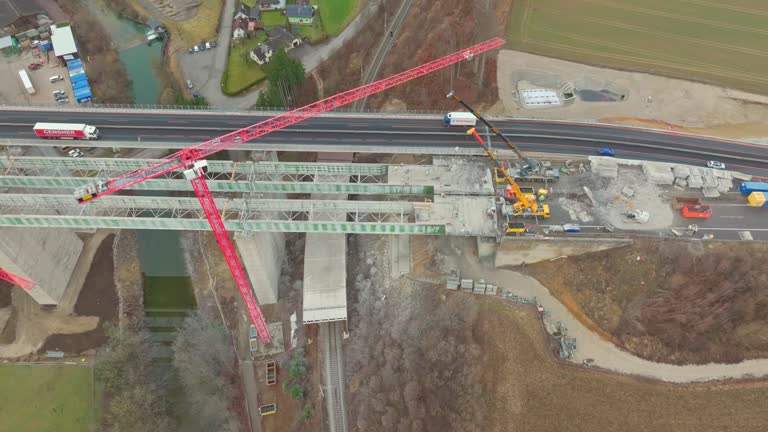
590, 344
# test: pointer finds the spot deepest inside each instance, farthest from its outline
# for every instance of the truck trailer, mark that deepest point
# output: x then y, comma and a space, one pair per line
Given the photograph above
747, 188
66, 131
459, 119
27, 82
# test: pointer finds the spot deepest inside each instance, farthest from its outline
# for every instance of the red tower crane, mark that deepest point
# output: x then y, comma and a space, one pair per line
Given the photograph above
191, 161
16, 280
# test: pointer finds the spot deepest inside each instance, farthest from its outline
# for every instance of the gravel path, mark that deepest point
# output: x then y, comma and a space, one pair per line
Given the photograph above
605, 354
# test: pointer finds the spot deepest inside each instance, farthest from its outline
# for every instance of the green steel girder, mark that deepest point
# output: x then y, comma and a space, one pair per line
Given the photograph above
115, 164
230, 186
202, 225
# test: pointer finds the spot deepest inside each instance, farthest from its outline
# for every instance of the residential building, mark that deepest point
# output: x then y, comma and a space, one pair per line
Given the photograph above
247, 12
64, 46
300, 14
267, 5
262, 53
279, 37
239, 28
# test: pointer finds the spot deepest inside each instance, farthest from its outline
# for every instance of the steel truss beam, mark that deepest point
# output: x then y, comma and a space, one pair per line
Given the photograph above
189, 208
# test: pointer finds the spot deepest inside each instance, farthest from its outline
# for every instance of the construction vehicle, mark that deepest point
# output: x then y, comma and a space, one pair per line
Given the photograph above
530, 167
192, 163
515, 228
697, 211
524, 205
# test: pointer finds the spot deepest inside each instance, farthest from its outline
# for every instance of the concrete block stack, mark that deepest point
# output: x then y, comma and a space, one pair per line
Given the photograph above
658, 173
605, 167
695, 181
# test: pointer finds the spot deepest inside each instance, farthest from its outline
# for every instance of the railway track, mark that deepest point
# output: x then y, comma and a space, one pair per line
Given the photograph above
331, 337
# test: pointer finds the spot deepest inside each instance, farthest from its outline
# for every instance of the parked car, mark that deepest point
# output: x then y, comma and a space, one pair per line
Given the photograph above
56, 78
716, 165
196, 48
35, 66
63, 100
190, 50
75, 153
202, 47
214, 44
189, 84
195, 94
59, 93
208, 45
605, 151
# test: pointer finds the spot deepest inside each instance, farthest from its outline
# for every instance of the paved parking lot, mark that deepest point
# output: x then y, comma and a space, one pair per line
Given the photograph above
12, 90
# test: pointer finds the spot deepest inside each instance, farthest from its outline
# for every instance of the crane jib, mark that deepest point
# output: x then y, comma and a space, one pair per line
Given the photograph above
105, 187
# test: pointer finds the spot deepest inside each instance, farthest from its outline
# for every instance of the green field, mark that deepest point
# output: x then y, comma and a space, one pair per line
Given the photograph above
336, 14
46, 398
242, 73
273, 18
717, 41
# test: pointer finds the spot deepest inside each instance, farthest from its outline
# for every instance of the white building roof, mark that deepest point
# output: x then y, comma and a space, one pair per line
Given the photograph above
63, 41
5, 42
325, 277
540, 97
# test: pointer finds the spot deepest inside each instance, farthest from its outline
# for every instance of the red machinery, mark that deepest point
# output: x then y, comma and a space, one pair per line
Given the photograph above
697, 211
190, 160
16, 280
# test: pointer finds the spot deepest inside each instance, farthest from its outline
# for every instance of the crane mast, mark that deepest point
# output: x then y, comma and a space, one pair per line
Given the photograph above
195, 168
528, 163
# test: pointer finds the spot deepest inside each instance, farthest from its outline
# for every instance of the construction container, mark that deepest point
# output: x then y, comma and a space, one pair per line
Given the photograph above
747, 188
268, 409
757, 199
697, 211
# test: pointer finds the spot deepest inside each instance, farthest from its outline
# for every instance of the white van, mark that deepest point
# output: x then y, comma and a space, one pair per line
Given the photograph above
56, 78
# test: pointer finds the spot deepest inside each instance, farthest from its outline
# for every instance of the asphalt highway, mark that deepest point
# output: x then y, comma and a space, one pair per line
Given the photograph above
375, 134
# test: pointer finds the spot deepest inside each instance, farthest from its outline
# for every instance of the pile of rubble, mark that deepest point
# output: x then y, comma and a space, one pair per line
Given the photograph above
711, 182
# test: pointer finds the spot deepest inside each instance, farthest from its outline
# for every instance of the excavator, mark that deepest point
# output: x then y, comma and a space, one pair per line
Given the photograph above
529, 165
526, 205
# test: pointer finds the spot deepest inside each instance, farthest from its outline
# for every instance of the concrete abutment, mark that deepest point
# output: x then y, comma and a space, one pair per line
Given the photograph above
262, 256
46, 256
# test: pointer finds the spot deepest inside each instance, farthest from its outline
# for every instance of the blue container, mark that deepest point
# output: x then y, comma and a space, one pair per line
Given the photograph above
747, 188
74, 64
80, 84
77, 78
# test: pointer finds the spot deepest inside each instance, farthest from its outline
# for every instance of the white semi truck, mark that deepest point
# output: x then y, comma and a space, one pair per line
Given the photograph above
459, 119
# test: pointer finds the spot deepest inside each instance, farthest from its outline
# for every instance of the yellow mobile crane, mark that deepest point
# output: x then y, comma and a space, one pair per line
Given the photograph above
526, 205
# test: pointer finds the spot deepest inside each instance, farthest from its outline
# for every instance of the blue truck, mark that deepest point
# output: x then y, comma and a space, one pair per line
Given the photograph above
747, 188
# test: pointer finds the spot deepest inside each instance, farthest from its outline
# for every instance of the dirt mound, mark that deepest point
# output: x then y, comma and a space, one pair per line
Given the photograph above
671, 301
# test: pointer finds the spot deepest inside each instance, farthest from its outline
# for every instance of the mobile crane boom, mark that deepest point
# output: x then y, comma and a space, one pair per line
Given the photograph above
528, 163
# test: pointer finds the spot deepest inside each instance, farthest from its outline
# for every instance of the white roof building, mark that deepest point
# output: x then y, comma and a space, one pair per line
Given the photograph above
63, 41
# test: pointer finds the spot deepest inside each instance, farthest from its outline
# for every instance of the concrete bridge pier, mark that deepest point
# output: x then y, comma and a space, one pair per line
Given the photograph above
262, 256
46, 256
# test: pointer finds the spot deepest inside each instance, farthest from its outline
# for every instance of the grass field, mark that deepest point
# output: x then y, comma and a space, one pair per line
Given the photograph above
336, 14
273, 18
242, 73
717, 41
46, 398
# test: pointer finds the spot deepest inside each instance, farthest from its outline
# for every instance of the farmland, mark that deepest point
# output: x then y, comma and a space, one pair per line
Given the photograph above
720, 42
46, 398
